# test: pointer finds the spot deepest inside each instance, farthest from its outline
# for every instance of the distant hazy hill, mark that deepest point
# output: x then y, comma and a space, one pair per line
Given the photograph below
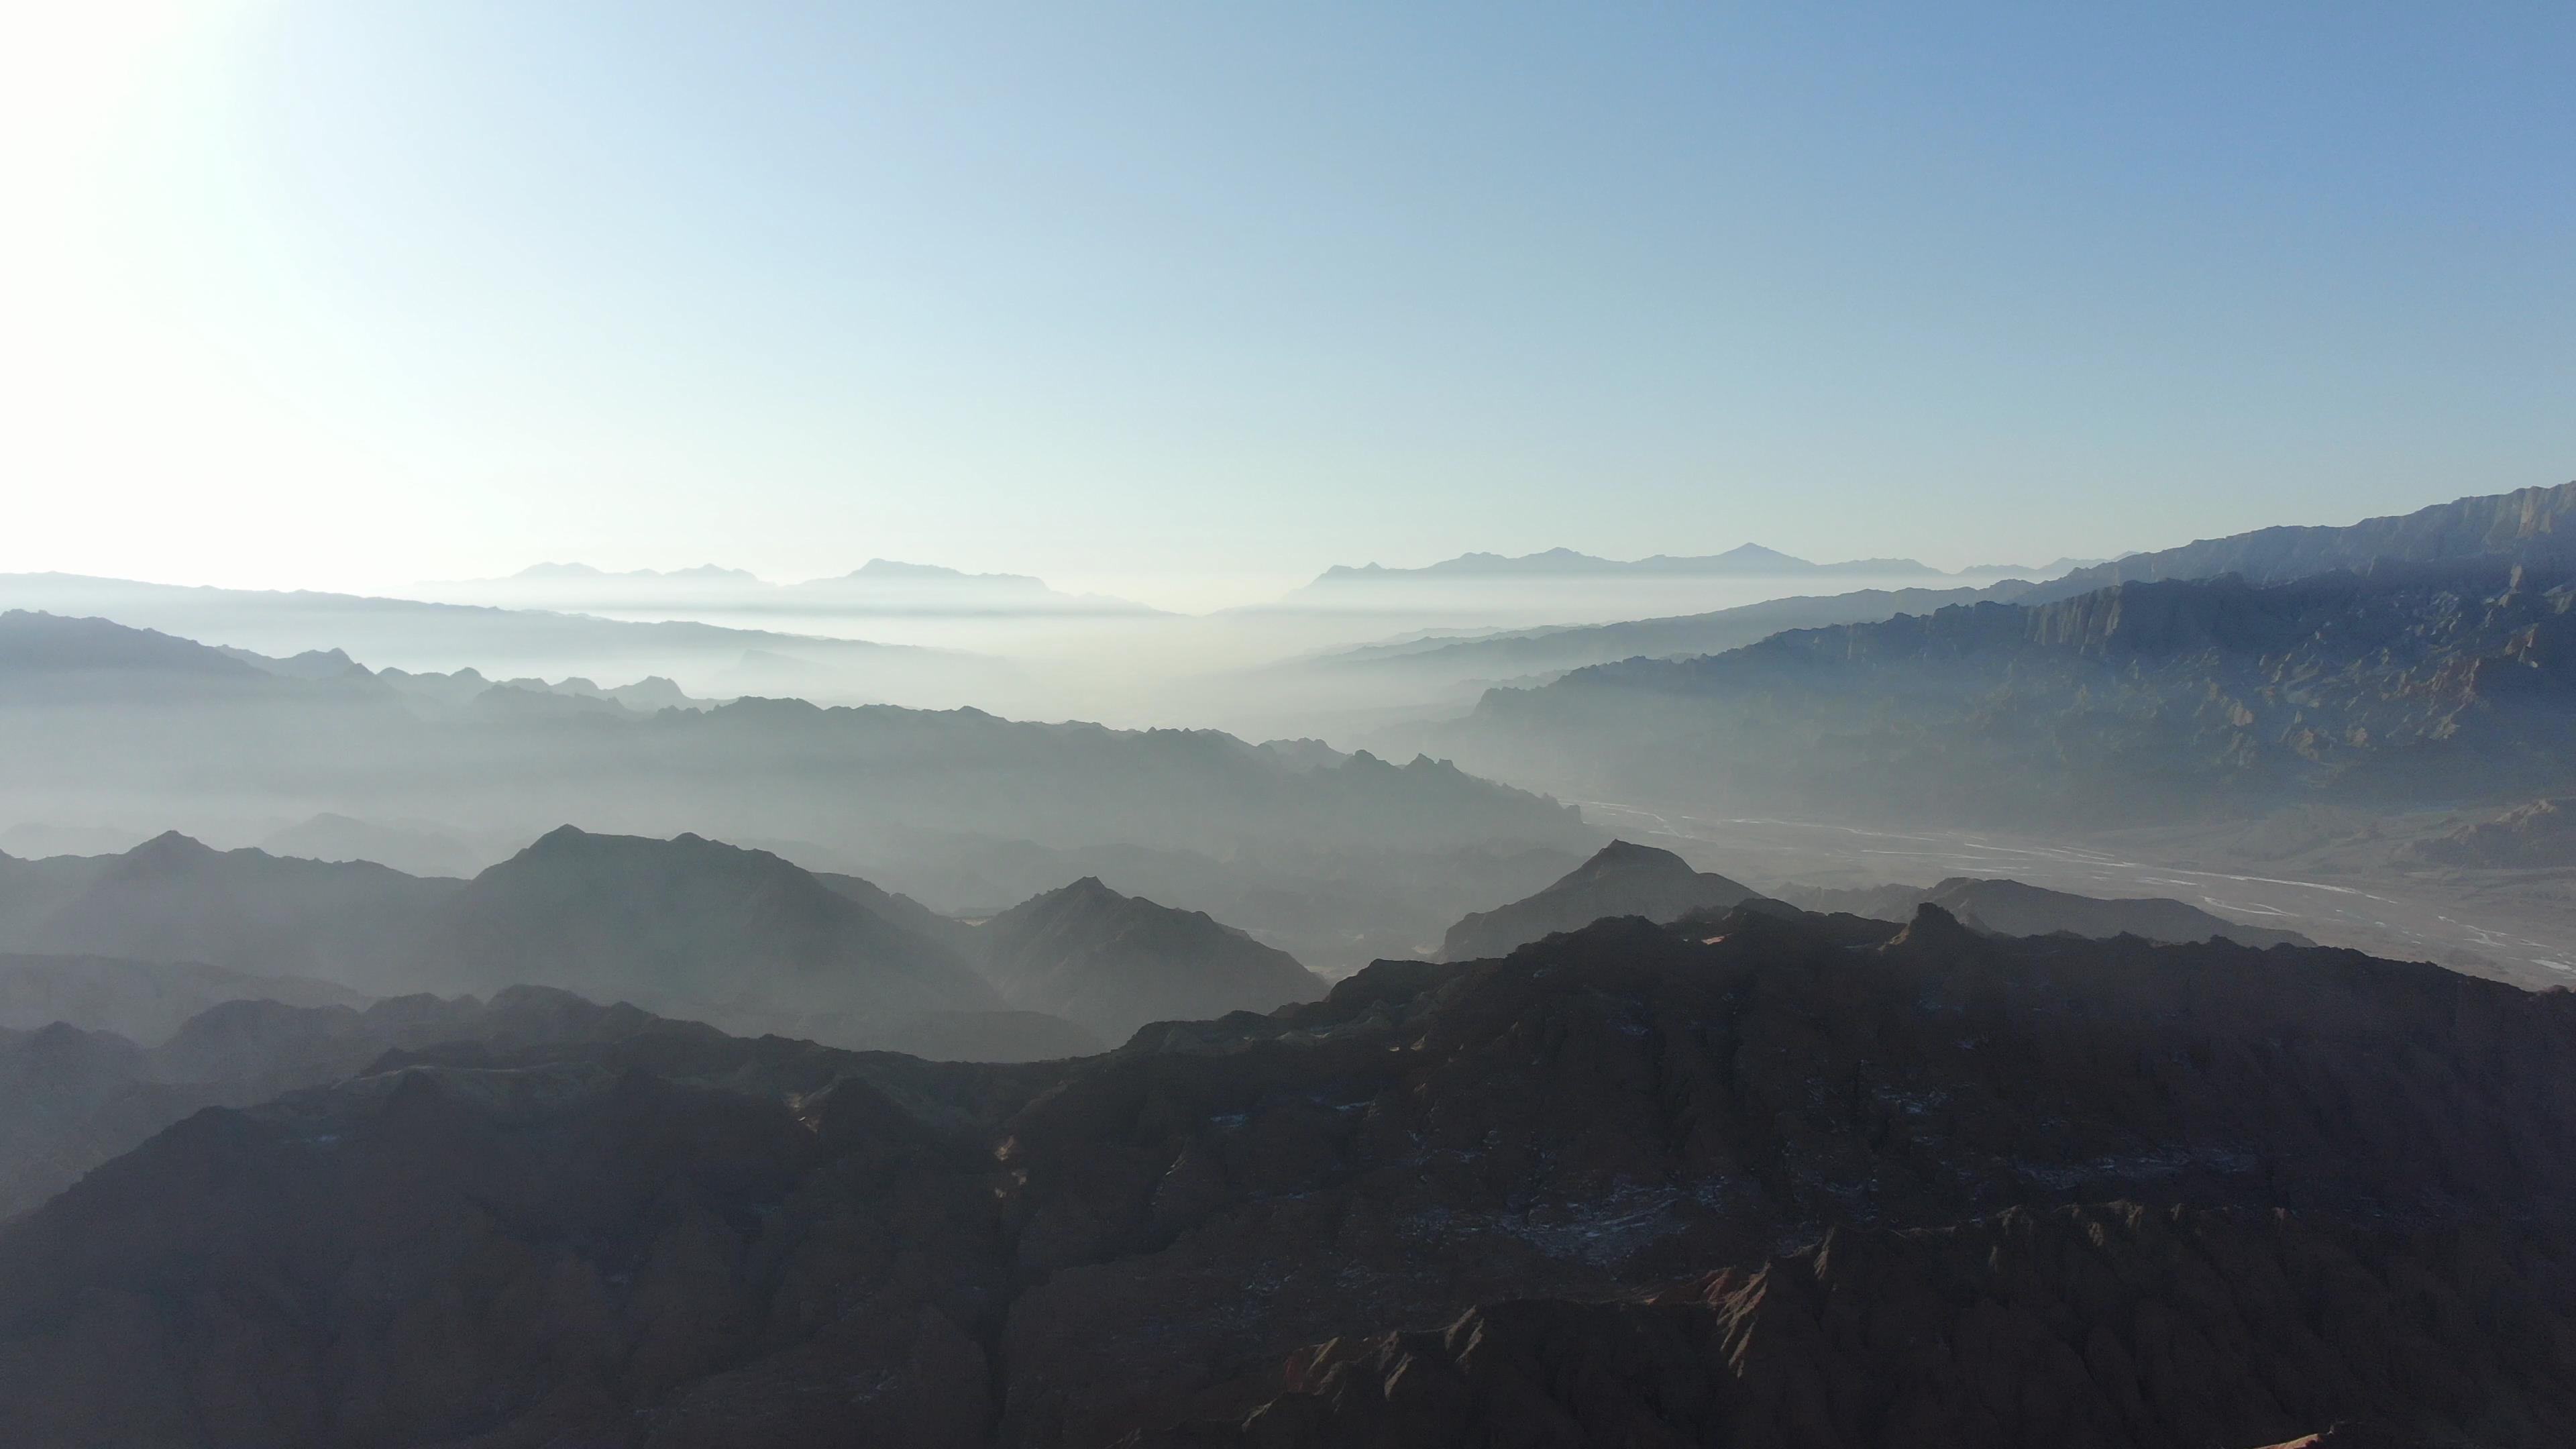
144, 1001
877, 586
338, 837
174, 899
1539, 651
1113, 963
2407, 682
504, 642
2013, 908
692, 927
762, 768
1622, 879
2528, 523
1747, 560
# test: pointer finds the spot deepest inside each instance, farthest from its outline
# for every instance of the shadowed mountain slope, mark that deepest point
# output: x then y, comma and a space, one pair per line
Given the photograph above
144, 1001
175, 899
1621, 879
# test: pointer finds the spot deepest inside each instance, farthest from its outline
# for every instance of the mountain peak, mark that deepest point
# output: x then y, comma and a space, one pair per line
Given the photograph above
1622, 878
169, 850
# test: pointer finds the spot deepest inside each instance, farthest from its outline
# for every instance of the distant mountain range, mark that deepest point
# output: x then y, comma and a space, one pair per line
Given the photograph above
878, 586
688, 927
1435, 663
318, 632
1750, 560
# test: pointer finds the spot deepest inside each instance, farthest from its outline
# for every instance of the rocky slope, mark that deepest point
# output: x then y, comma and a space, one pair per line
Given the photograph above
1621, 879
694, 1239
1112, 963
2112, 1326
2013, 908
2401, 684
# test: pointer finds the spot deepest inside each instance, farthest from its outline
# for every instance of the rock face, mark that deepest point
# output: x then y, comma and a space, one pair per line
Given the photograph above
2404, 684
693, 1239
2012, 908
1621, 879
695, 928
1111, 963
2114, 1325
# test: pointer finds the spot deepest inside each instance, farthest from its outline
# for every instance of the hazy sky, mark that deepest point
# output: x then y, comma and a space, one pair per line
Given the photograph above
1193, 300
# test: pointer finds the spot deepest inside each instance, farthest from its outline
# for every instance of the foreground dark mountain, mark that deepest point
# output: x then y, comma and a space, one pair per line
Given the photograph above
2526, 525
2012, 908
77, 1098
1318, 841
692, 1240
2117, 1325
1621, 879
1112, 963
2403, 684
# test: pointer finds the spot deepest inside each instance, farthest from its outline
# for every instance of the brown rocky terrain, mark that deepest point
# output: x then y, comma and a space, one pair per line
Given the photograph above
2067, 1329
683, 1238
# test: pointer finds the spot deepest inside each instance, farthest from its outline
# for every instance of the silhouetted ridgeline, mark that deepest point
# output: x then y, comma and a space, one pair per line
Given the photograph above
2526, 525
1334, 856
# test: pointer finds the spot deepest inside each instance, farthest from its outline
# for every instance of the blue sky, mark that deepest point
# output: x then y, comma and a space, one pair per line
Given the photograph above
1191, 301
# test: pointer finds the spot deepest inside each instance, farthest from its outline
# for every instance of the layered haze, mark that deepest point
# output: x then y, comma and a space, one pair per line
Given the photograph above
1012, 727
